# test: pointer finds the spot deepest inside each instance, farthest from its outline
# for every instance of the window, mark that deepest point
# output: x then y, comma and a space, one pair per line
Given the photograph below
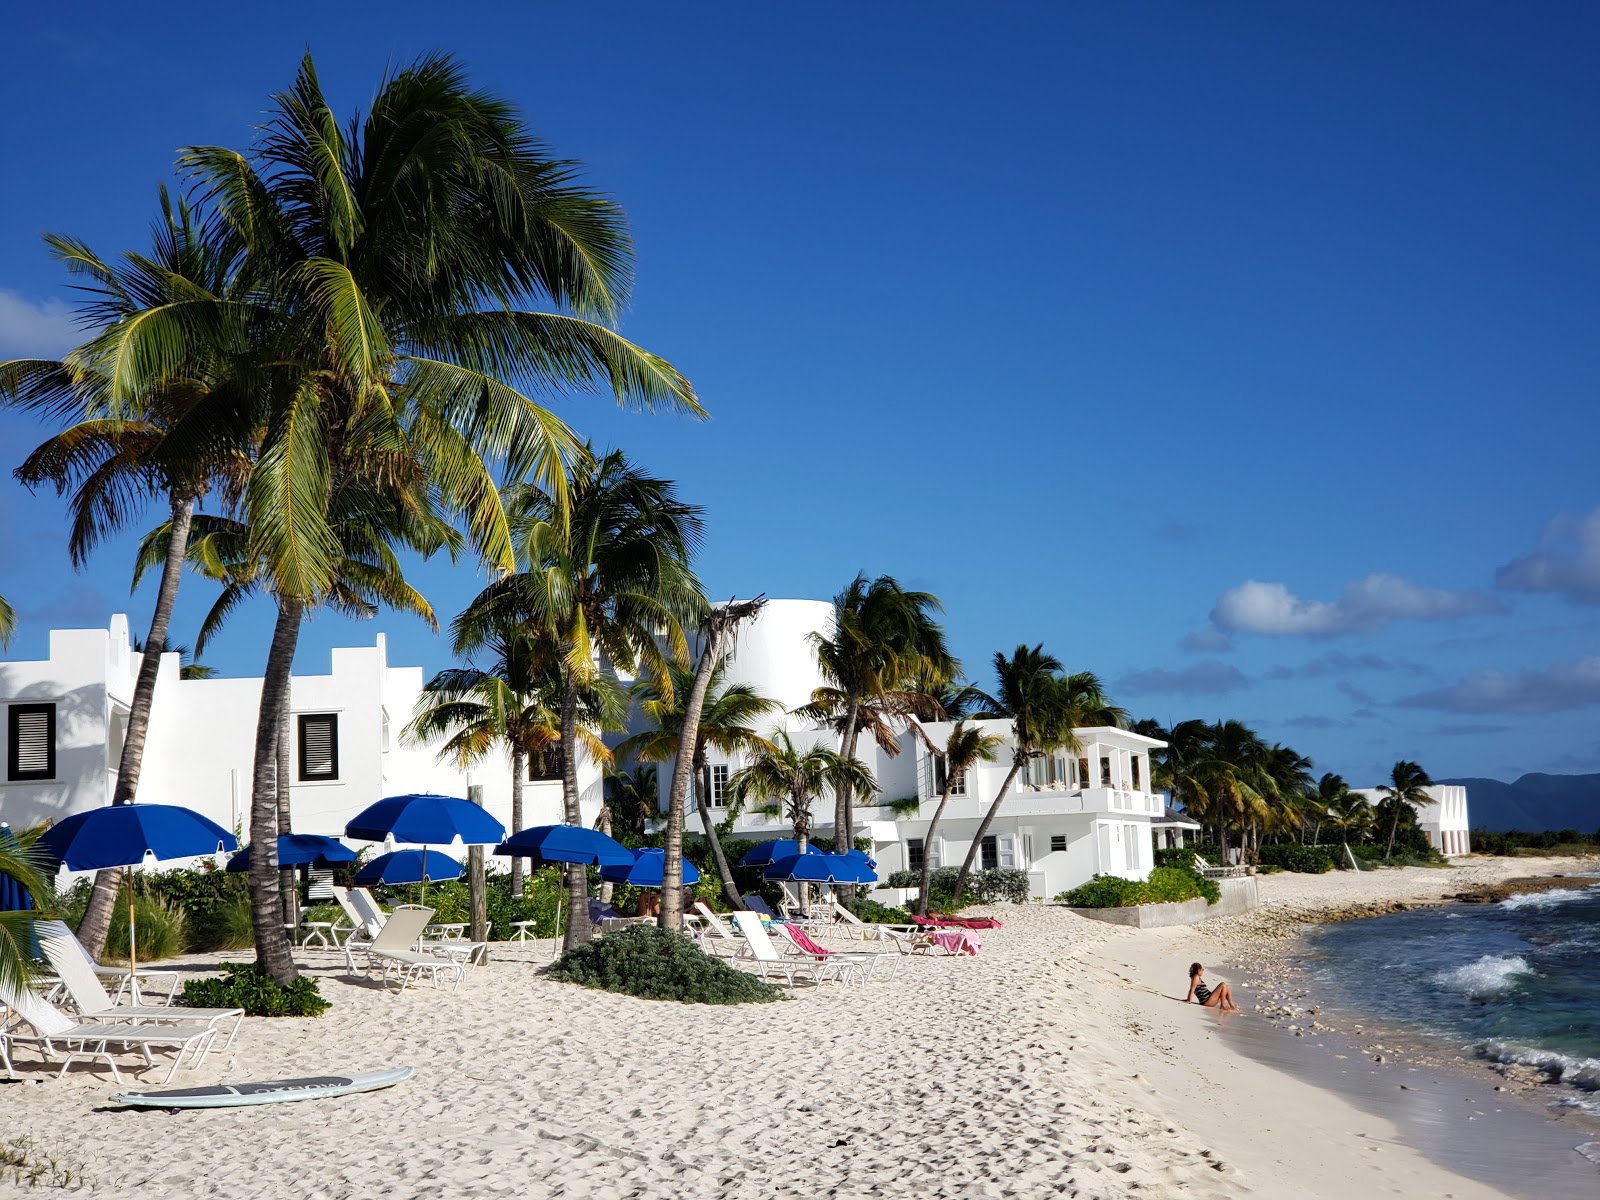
319, 746
1083, 773
1138, 786
957, 788
719, 785
31, 742
991, 853
545, 767
1058, 843
914, 854
1105, 772
1130, 845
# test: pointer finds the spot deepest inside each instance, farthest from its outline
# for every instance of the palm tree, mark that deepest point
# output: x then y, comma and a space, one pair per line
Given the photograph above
171, 431
608, 578
726, 725
780, 773
884, 651
1407, 787
18, 928
1035, 696
1233, 772
964, 749
8, 622
188, 668
632, 798
1350, 814
1291, 794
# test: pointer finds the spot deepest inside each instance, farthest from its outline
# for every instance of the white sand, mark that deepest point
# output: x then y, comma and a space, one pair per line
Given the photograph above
1044, 1066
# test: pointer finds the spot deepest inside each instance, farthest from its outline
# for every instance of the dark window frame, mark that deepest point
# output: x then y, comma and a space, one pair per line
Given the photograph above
989, 852
14, 714
916, 853
1058, 837
302, 721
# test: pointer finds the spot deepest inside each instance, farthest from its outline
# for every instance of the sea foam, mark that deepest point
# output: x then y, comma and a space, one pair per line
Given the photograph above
1565, 1068
1488, 976
1548, 899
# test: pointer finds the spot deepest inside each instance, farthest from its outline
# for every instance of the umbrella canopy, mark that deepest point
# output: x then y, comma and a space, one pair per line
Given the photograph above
863, 856
813, 867
13, 896
566, 844
120, 835
406, 866
764, 854
426, 820
646, 871
301, 849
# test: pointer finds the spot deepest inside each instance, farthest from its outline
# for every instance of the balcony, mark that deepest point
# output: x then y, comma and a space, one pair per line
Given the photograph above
1047, 801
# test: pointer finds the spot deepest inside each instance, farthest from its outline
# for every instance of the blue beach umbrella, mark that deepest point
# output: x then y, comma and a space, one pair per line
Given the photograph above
408, 866
764, 854
300, 850
122, 835
13, 896
425, 819
814, 867
647, 870
566, 844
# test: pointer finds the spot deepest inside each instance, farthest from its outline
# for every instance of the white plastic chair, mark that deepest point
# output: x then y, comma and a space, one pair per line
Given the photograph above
767, 962
54, 1031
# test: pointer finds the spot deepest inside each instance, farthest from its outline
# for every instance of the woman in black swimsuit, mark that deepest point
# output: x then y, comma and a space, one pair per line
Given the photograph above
1219, 997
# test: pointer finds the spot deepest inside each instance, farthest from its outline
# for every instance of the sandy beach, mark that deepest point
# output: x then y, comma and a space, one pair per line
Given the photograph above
1056, 1062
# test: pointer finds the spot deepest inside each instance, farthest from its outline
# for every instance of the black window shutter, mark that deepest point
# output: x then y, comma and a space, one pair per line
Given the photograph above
31, 742
319, 746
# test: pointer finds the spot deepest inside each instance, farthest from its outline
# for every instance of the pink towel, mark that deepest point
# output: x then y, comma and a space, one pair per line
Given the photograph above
806, 942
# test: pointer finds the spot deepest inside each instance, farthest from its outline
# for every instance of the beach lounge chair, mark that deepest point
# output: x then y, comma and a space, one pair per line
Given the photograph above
719, 939
78, 979
854, 927
756, 904
54, 1032
861, 964
766, 962
395, 950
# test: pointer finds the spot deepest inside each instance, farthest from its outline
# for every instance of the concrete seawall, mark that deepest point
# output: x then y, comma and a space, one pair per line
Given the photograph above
1238, 896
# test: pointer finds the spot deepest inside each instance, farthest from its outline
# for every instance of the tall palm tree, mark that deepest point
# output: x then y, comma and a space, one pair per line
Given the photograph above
1290, 795
727, 725
1034, 695
607, 576
1407, 787
964, 749
781, 773
885, 651
1234, 775
171, 429
1351, 815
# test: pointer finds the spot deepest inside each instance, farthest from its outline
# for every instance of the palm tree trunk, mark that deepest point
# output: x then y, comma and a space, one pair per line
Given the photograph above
927, 847
288, 877
579, 931
603, 824
96, 923
1394, 828
715, 631
703, 784
800, 818
273, 953
983, 830
842, 796
519, 761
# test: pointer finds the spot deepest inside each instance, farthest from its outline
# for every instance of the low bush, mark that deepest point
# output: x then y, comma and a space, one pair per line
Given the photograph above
1291, 856
983, 887
658, 964
874, 913
1181, 856
1166, 885
243, 985
1269, 869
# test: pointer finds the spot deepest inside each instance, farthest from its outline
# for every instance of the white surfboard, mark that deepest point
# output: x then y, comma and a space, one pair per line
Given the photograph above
269, 1091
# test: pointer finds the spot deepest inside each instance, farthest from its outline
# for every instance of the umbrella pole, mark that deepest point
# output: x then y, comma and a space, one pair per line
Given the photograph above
561, 901
424, 874
133, 942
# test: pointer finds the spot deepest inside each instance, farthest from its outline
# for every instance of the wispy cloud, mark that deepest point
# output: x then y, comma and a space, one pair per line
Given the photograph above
35, 328
1566, 562
1206, 641
1208, 678
1365, 606
1314, 721
1560, 687
1336, 662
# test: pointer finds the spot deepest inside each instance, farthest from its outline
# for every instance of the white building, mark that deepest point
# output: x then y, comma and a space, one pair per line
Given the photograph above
66, 717
1067, 819
1443, 819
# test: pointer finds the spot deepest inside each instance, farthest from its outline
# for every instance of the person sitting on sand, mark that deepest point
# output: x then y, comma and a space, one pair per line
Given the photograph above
1219, 997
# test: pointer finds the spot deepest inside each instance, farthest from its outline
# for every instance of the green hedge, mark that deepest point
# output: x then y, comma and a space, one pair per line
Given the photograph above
1166, 885
659, 964
983, 887
1291, 856
874, 913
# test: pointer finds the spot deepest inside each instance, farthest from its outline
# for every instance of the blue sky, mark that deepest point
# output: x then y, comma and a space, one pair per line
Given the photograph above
1243, 354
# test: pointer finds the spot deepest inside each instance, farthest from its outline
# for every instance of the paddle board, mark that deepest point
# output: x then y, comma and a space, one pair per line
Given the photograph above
269, 1091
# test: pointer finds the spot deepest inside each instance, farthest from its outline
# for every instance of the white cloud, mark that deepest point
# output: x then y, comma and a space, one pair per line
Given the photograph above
35, 328
1208, 678
1566, 563
1557, 688
1365, 606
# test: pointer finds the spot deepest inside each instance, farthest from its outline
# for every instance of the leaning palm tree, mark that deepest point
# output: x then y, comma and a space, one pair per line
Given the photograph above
607, 577
1407, 788
964, 749
1034, 695
780, 773
884, 654
727, 725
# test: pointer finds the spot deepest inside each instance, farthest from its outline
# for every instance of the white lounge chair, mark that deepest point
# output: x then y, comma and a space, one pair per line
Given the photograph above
857, 964
756, 904
719, 939
766, 962
395, 951
54, 1032
78, 979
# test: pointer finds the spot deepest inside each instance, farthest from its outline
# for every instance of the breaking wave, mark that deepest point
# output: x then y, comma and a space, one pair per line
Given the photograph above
1547, 899
1488, 976
1564, 1068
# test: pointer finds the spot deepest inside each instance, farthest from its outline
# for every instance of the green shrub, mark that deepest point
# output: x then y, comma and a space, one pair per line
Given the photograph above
1179, 856
1166, 885
1104, 891
658, 964
874, 913
229, 926
983, 887
1268, 869
451, 901
1307, 860
161, 929
245, 986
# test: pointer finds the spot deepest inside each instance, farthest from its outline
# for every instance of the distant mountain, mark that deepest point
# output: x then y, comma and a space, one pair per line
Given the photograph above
1533, 803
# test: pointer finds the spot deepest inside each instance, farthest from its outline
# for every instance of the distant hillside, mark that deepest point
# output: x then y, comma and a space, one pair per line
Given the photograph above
1533, 802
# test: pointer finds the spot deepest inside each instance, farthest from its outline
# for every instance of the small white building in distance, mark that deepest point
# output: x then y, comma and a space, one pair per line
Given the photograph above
1443, 819
1067, 819
65, 718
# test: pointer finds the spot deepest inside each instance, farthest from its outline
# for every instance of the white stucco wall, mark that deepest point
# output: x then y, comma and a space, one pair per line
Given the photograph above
1445, 819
